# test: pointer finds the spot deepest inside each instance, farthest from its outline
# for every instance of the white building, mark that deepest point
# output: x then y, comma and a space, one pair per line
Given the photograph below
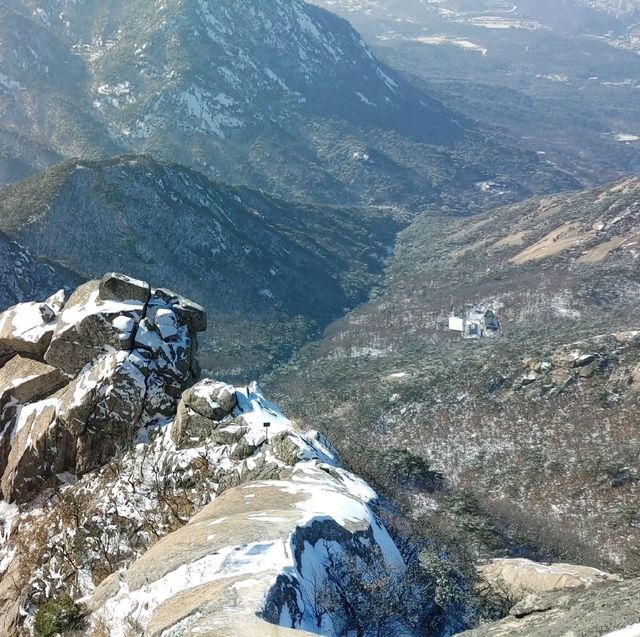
477, 321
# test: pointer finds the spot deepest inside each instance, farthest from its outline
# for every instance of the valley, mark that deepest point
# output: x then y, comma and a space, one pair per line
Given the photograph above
503, 418
319, 318
271, 273
560, 78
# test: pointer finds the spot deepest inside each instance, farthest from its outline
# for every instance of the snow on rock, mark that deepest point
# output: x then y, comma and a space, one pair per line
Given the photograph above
98, 371
167, 324
8, 513
125, 326
517, 578
27, 328
261, 547
84, 329
179, 508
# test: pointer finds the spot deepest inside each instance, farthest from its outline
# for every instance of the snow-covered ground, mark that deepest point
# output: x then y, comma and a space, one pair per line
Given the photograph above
292, 510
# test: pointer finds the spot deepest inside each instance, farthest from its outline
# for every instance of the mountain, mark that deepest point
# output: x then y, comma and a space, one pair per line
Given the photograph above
270, 272
23, 276
216, 86
559, 77
460, 350
534, 429
139, 501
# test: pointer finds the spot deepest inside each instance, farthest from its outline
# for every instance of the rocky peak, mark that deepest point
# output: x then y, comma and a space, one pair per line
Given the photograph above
83, 377
222, 514
257, 553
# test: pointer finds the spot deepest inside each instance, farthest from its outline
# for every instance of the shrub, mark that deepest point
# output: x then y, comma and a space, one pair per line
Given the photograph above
359, 595
58, 616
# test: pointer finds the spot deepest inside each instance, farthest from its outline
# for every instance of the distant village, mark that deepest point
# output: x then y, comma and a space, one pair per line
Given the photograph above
474, 322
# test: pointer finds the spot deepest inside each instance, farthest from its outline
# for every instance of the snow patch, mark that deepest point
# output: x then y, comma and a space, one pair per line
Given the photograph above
629, 631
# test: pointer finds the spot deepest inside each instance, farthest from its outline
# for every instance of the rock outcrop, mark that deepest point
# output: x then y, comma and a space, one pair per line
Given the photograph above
170, 506
83, 377
255, 556
202, 410
515, 580
27, 328
603, 610
252, 527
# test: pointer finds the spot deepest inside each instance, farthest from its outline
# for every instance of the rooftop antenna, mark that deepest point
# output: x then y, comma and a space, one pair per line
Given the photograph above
266, 426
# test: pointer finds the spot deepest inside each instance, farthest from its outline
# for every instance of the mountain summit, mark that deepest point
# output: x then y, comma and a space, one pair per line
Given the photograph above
173, 506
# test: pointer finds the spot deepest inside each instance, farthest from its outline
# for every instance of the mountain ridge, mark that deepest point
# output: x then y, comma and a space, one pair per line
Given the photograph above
253, 258
299, 126
140, 500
